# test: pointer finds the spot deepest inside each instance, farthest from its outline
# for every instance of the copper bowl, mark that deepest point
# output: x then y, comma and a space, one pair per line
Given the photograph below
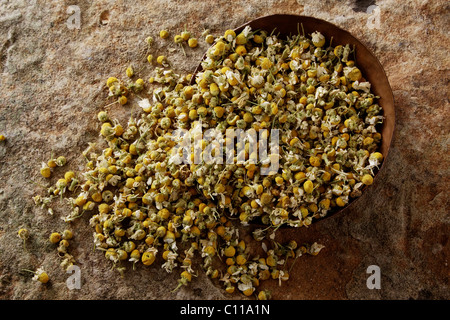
371, 68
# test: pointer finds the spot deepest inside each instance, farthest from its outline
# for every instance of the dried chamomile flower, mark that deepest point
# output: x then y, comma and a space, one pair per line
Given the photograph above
129, 72
40, 275
111, 81
185, 35
67, 235
149, 40
163, 34
45, 171
185, 278
178, 39
209, 39
55, 237
139, 85
102, 116
23, 234
318, 39
122, 100
61, 161
193, 42
162, 60
264, 295
367, 179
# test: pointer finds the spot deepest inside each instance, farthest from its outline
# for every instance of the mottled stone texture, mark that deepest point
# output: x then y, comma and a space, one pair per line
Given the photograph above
52, 86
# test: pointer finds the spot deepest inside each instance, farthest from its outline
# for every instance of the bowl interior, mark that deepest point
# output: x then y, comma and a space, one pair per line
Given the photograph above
372, 70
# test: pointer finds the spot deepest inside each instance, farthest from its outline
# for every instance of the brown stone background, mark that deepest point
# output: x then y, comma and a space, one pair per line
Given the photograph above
53, 85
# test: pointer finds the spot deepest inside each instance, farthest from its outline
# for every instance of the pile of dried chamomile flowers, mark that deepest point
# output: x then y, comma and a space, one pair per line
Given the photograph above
144, 202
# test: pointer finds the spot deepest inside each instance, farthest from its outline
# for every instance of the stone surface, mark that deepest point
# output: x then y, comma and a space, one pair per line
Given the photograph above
52, 86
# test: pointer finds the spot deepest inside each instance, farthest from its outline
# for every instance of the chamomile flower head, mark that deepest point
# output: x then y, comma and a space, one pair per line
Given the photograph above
41, 276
